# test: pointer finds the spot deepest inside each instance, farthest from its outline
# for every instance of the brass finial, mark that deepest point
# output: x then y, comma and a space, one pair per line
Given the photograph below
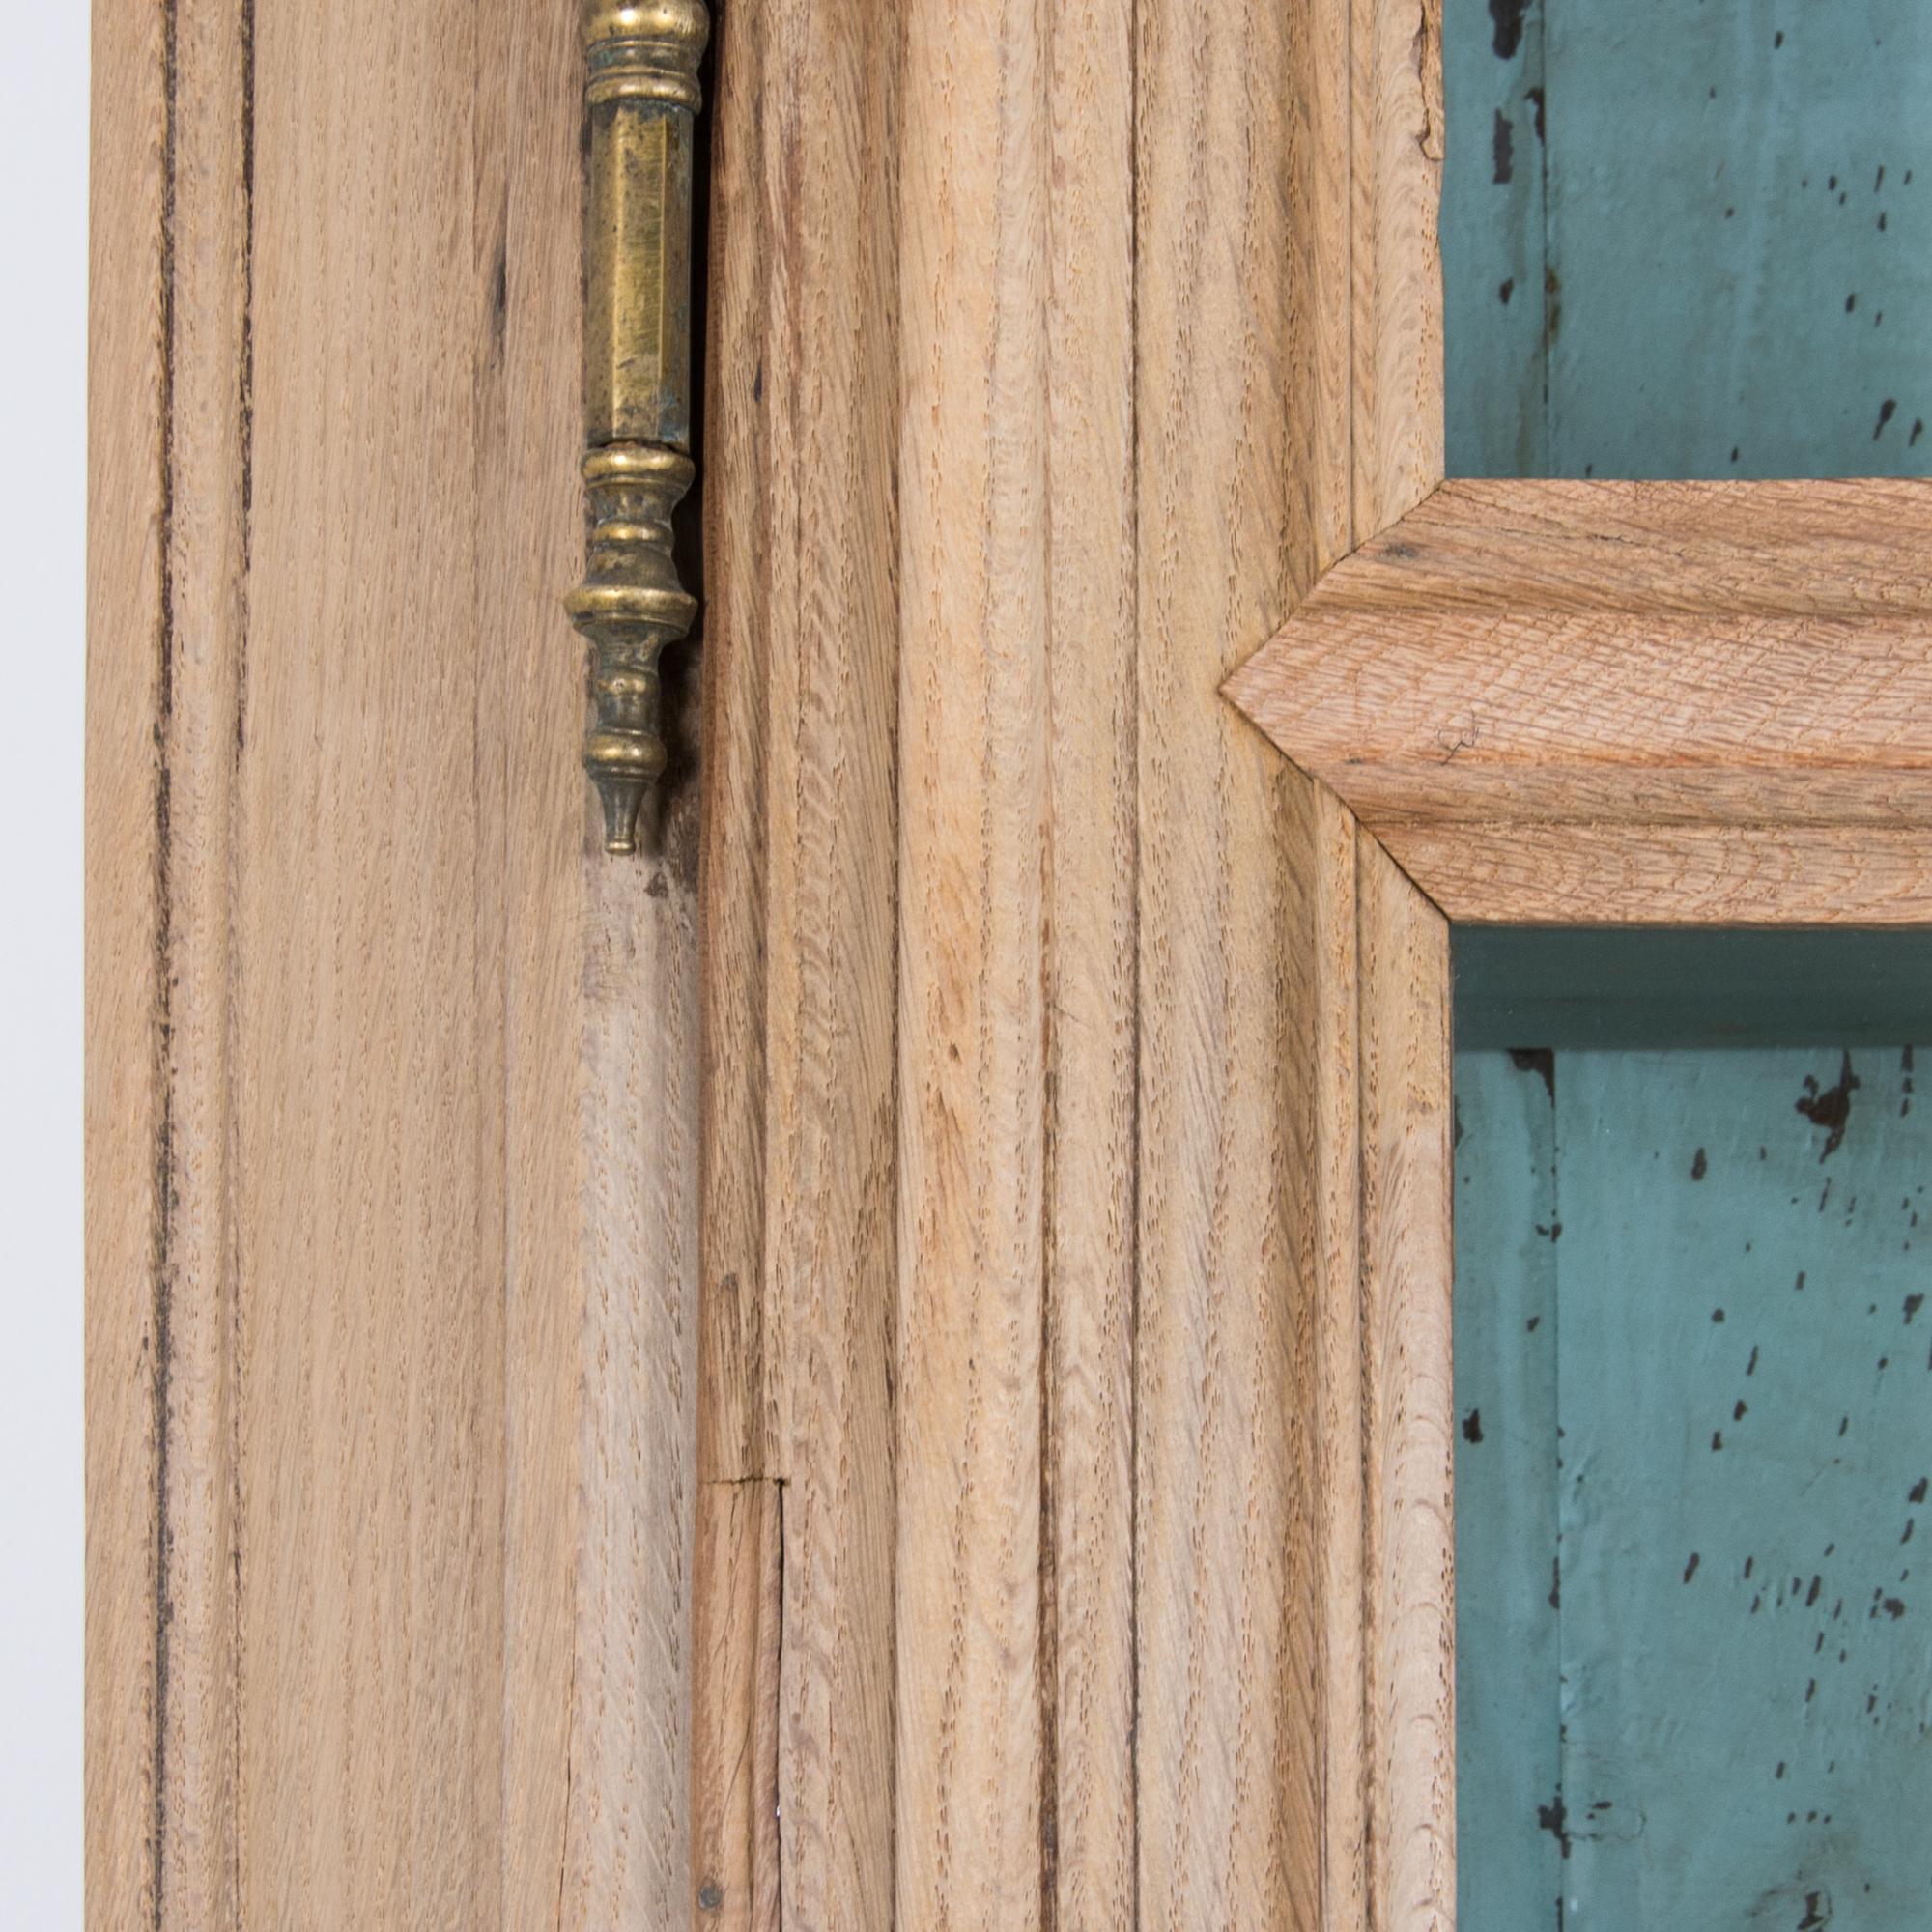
642, 95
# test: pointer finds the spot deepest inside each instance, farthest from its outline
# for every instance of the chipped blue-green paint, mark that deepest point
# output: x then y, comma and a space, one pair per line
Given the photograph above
1493, 257
1745, 1400
1506, 1661
1688, 240
1694, 1377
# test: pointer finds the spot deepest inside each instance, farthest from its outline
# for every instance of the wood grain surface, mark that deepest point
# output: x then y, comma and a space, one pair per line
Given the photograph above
736, 1879
1688, 875
1285, 276
800, 868
736, 1614
1089, 1179
830, 1127
1629, 702
393, 1135
1056, 405
992, 1546
130, 1432
1536, 644
1407, 1187
1227, 1753
1588, 703
826, 983
971, 1740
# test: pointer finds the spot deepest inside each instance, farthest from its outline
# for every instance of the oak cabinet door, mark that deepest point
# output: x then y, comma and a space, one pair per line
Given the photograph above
393, 1133
814, 1369
885, 1358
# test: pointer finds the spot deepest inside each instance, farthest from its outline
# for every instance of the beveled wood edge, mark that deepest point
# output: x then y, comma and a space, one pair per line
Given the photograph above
1713, 864
1758, 841
1404, 1142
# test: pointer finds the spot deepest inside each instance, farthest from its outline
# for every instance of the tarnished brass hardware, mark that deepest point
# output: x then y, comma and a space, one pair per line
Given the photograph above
643, 97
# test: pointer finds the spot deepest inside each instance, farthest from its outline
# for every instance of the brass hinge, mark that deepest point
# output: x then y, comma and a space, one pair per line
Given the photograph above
641, 95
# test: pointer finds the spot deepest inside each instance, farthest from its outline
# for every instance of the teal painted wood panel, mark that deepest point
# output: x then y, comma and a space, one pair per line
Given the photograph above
1645, 987
1494, 260
1507, 1659
1742, 1376
1694, 1373
1687, 240
1690, 238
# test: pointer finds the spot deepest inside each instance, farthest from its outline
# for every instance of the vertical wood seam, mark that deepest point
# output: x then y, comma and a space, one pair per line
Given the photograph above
212, 1287
1364, 1767
1374, 1671
772, 1692
1046, 1609
236, 1358
164, 1155
1047, 1597
1136, 1145
1090, 947
247, 398
1352, 524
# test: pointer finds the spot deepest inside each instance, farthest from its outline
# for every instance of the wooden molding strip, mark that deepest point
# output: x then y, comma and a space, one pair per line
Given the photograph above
1408, 1605
1050, 363
1655, 668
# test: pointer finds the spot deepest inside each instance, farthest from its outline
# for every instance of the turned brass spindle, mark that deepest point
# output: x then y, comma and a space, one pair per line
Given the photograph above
642, 98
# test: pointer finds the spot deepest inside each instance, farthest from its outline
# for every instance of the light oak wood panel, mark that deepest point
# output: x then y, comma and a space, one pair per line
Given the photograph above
161, 643
801, 874
387, 1594
600, 1119
368, 1003
530, 877
1225, 1759
1567, 703
1395, 68
1727, 652
465, 1149
736, 1427
1262, 362
807, 944
831, 1142
1090, 1181
974, 804
736, 1639
627, 1848
736, 1577
1288, 342
1409, 1616
207, 540
1332, 1158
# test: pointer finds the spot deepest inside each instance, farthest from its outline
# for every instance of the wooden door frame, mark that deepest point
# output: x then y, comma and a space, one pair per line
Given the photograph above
1280, 1587
1057, 1329
392, 1111
1048, 1013
1561, 704
1569, 704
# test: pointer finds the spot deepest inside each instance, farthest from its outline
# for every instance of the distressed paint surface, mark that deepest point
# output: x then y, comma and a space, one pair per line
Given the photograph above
1735, 1414
1687, 240
1508, 1766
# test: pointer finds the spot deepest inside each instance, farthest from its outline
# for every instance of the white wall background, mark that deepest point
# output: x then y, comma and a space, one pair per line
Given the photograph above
42, 574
